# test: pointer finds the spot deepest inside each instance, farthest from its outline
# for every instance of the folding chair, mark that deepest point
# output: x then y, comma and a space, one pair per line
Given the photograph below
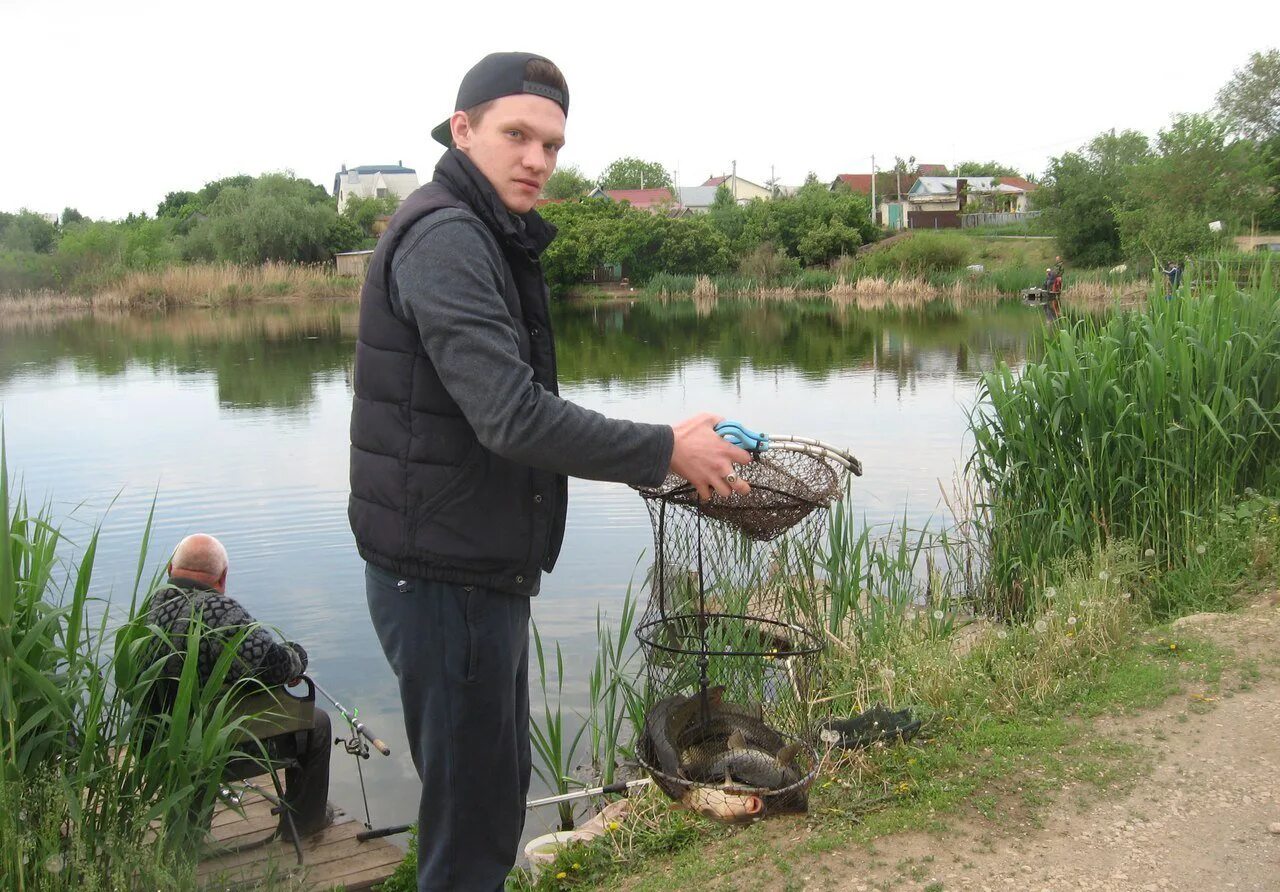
272, 713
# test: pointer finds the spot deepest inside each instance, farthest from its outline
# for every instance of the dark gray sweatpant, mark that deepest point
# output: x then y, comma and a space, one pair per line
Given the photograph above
461, 656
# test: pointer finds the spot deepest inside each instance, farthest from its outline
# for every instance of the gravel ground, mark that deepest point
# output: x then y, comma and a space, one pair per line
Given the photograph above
1207, 818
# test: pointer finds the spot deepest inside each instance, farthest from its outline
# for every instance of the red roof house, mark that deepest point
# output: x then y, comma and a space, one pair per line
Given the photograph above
644, 199
1018, 183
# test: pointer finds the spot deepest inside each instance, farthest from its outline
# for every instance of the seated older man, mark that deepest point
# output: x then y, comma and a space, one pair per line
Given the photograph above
197, 586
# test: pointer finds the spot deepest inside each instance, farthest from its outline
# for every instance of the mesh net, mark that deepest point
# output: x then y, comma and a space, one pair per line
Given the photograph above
786, 486
730, 636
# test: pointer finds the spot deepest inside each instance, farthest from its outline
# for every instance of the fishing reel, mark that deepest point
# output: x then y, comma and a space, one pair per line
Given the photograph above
354, 745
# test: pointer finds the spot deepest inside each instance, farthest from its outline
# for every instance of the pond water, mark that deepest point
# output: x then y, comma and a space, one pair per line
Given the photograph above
235, 423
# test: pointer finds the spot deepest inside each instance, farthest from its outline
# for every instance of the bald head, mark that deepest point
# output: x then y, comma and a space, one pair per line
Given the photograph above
202, 558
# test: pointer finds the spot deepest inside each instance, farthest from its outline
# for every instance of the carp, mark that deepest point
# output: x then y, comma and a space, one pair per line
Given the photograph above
742, 764
667, 720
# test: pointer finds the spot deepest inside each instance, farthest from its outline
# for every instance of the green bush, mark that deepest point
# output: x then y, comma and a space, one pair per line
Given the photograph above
27, 271
767, 263
596, 232
921, 255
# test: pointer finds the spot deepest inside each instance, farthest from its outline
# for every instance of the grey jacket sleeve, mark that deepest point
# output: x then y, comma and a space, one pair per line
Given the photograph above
448, 280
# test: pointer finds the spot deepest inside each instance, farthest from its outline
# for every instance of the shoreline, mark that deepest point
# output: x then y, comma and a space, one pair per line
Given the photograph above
864, 293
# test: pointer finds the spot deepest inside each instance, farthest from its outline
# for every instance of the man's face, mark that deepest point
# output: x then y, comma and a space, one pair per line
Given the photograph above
515, 146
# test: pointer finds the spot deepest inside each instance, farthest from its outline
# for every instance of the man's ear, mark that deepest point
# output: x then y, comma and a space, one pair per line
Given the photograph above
460, 130
222, 578
168, 568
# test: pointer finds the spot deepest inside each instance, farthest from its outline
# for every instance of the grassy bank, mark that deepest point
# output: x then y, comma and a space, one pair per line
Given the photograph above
212, 284
1009, 707
963, 265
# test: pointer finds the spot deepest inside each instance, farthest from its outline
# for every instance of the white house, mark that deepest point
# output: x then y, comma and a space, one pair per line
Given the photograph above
741, 190
937, 202
1009, 192
374, 181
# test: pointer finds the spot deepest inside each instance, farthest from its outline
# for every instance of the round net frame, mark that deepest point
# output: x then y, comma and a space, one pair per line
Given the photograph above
732, 607
786, 486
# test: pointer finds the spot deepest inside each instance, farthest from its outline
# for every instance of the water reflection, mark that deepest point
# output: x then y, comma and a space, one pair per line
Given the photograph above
235, 422
269, 357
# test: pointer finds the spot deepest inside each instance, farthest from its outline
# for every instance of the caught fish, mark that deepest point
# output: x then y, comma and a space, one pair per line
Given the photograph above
742, 764
667, 720
730, 808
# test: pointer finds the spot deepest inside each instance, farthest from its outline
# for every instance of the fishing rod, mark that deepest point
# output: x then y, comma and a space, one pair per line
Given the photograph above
354, 745
356, 725
617, 787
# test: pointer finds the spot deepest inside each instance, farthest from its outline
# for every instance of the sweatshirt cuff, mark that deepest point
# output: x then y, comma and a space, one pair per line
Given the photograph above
666, 437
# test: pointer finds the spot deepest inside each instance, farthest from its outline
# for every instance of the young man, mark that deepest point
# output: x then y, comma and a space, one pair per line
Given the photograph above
460, 449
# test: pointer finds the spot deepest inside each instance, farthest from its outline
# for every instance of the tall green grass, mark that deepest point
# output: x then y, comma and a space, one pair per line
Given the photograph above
96, 792
1137, 425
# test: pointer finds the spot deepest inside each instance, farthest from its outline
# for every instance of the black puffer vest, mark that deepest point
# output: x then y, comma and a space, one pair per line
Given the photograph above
427, 499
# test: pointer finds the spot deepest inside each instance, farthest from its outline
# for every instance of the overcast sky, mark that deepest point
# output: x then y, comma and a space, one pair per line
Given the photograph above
108, 106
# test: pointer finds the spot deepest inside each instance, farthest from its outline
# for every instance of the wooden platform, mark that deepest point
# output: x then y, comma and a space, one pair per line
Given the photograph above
331, 858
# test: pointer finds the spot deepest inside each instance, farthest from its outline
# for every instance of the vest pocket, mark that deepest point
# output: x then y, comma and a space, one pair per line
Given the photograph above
452, 481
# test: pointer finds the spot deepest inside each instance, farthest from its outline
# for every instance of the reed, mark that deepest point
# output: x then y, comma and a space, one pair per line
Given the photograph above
612, 689
552, 744
96, 792
1137, 425
196, 284
704, 288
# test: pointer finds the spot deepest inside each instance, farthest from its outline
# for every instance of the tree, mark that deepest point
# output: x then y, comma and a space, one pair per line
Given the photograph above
27, 231
1250, 101
1269, 152
1083, 192
177, 204
633, 173
567, 182
1199, 174
723, 198
364, 212
274, 217
984, 169
594, 233
70, 215
827, 241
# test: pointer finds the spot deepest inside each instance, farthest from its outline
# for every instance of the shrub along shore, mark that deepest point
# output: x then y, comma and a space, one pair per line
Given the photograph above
924, 267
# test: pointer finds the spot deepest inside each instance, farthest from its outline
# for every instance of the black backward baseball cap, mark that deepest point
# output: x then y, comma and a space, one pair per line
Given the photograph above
495, 76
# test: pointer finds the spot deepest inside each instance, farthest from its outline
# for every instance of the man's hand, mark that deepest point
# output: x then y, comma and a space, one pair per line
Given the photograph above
705, 459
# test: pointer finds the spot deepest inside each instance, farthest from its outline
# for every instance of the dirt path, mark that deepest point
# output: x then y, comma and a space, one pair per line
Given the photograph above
1200, 821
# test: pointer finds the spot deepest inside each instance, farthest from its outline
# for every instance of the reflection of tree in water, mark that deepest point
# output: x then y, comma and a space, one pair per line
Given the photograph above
263, 356
272, 356
620, 342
